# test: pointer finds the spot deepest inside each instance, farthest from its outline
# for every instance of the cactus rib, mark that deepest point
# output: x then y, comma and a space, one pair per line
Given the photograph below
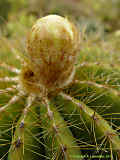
102, 125
105, 87
9, 79
10, 68
59, 138
22, 138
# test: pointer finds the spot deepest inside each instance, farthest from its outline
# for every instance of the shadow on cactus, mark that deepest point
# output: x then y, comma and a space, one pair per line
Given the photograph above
58, 102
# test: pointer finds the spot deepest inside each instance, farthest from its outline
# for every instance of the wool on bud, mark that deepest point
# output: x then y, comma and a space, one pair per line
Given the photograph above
52, 47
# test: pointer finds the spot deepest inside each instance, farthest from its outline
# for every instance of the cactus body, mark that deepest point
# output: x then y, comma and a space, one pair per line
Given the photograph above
54, 104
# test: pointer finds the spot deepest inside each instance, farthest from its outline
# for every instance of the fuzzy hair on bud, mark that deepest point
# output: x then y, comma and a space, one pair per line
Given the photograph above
52, 47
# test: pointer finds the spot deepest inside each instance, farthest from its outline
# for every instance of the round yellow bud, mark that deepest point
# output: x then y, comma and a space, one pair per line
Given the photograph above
52, 46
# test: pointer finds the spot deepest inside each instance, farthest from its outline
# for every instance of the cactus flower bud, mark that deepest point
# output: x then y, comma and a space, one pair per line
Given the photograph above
52, 47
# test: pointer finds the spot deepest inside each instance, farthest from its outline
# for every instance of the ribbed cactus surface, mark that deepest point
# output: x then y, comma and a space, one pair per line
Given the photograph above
61, 99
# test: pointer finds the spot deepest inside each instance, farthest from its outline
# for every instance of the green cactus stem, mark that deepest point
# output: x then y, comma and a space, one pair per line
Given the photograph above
90, 116
23, 145
58, 137
57, 100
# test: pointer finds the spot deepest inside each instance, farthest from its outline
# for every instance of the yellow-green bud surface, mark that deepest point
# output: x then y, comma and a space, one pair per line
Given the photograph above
52, 48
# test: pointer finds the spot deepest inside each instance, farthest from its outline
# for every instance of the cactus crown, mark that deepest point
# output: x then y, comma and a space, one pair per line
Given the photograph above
52, 48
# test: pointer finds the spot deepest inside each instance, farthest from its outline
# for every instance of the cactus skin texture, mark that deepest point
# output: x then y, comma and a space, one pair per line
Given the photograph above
56, 103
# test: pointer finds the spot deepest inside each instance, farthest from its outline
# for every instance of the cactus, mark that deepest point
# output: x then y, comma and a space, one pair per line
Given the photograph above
57, 100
